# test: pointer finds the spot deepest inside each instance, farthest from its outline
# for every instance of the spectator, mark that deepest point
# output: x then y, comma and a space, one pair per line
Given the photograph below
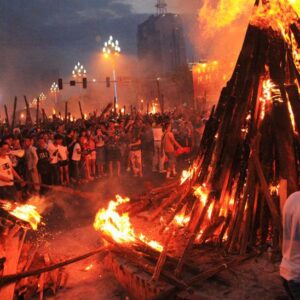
113, 150
168, 147
31, 164
100, 151
43, 165
53, 152
158, 154
63, 162
76, 158
136, 155
92, 157
290, 265
7, 174
147, 145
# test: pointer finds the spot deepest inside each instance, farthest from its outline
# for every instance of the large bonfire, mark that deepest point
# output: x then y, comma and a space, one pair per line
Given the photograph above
248, 161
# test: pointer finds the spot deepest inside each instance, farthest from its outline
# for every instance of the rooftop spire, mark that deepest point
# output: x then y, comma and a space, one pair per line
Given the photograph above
161, 7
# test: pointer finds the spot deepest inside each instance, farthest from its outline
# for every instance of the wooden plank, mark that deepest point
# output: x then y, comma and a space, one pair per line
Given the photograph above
14, 114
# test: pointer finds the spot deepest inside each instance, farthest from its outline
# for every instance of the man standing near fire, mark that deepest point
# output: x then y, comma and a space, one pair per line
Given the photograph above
290, 265
168, 147
7, 175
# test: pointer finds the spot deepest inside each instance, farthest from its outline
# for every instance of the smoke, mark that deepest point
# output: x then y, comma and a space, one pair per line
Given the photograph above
217, 15
219, 33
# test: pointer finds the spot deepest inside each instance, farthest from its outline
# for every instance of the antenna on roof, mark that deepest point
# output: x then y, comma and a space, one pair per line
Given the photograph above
161, 7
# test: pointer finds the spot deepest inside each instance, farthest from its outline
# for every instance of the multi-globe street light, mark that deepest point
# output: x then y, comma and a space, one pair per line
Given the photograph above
79, 71
54, 90
112, 49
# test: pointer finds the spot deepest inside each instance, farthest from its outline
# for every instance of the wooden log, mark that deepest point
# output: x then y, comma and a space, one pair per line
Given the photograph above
14, 114
106, 110
28, 115
6, 115
45, 118
282, 193
163, 256
193, 236
132, 255
12, 250
66, 112
265, 189
37, 119
225, 227
165, 203
294, 99
80, 109
210, 230
206, 275
7, 279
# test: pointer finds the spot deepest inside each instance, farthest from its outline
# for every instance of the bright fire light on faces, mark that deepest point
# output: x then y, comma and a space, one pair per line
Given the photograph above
119, 227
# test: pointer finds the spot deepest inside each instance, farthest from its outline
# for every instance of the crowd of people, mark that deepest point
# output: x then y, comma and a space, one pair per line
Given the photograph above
64, 153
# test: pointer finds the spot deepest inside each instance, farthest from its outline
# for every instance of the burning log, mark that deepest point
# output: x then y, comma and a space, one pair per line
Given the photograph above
248, 147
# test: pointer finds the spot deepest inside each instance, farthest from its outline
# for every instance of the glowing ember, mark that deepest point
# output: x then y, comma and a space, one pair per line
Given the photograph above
27, 213
182, 220
201, 193
153, 244
89, 267
268, 85
292, 116
119, 226
274, 189
185, 176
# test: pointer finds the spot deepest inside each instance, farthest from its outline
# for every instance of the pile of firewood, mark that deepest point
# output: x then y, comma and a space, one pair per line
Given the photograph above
20, 254
248, 162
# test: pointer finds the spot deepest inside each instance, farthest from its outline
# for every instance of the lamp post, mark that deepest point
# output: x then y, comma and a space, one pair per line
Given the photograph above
112, 49
54, 90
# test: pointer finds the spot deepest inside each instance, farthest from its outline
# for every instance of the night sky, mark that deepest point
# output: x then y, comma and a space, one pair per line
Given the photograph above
40, 37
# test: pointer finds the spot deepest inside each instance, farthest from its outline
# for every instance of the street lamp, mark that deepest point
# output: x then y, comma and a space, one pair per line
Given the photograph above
54, 90
112, 49
79, 71
42, 97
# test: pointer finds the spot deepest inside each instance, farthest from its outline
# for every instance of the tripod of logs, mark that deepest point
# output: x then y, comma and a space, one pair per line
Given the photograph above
248, 161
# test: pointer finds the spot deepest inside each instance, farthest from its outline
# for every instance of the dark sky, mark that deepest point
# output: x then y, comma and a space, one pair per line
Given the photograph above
39, 38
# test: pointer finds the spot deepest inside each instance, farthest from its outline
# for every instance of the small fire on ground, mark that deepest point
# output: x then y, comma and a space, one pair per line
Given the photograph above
26, 212
119, 227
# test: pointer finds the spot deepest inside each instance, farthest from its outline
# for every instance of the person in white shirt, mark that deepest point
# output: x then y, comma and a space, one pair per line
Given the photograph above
290, 265
7, 175
158, 159
53, 152
63, 162
76, 158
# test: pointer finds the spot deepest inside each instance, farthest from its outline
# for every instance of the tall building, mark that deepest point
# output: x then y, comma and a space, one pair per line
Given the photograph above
161, 44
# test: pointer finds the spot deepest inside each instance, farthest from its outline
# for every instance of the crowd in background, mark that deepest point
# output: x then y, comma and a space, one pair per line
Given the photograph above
59, 153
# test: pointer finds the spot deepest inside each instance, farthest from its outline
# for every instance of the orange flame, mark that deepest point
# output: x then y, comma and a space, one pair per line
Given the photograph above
181, 220
201, 193
27, 213
268, 85
119, 226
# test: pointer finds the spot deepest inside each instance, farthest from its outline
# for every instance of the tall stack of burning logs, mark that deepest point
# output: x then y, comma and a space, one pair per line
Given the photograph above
231, 199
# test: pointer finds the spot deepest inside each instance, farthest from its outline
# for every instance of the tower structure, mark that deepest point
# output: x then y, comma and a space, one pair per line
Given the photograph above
161, 7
